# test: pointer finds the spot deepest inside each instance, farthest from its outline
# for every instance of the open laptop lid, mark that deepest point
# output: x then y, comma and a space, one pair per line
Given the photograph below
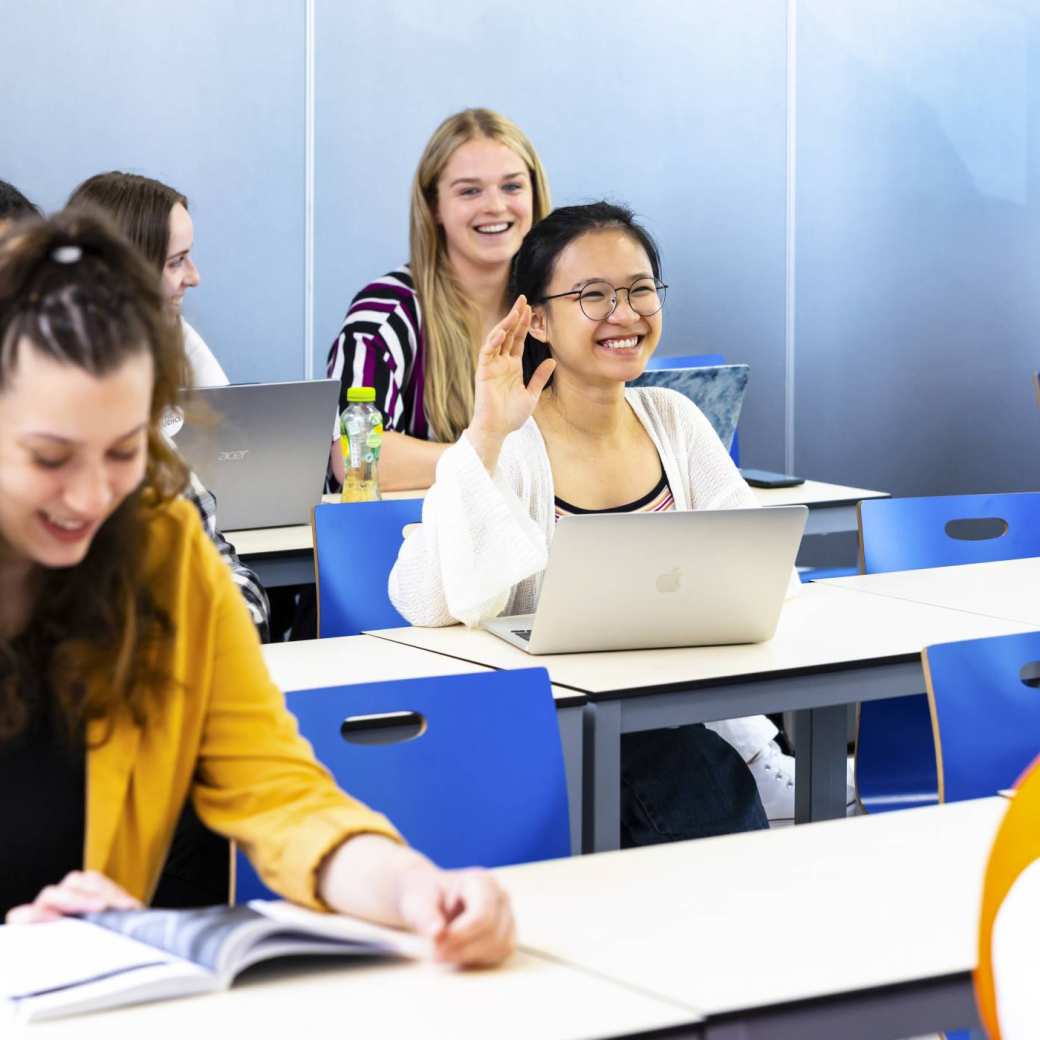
261, 448
629, 581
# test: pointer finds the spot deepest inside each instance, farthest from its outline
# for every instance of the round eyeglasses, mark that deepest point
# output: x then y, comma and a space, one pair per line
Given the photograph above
598, 300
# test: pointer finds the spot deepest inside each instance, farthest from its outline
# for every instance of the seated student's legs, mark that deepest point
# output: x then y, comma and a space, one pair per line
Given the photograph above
749, 735
684, 783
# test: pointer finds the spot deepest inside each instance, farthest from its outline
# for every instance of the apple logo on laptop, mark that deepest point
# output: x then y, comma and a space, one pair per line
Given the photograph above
669, 581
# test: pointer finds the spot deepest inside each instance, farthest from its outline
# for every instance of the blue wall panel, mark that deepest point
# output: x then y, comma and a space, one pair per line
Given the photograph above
208, 97
676, 109
918, 238
918, 244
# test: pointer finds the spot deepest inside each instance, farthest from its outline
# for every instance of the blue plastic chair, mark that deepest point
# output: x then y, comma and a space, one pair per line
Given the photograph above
658, 362
482, 784
982, 752
895, 755
903, 534
355, 546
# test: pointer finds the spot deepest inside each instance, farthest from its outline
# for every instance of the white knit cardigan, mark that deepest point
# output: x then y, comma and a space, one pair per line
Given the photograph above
484, 541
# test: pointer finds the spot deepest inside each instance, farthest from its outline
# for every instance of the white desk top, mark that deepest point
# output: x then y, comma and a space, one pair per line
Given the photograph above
310, 664
530, 997
815, 493
880, 899
819, 628
1006, 589
812, 493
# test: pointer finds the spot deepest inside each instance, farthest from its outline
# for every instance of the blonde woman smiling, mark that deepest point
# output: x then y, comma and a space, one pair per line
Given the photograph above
414, 333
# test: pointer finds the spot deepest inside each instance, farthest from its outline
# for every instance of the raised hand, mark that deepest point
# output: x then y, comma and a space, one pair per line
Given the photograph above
502, 403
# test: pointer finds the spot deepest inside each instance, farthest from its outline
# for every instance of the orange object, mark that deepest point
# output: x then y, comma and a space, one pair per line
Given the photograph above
1016, 846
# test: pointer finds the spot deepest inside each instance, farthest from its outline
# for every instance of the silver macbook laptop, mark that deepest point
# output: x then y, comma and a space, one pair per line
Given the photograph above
632, 581
262, 449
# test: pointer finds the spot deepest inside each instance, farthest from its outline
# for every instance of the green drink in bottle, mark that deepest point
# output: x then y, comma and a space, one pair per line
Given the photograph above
361, 436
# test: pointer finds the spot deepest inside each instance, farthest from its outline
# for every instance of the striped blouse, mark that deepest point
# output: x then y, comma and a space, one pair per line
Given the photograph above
657, 500
381, 345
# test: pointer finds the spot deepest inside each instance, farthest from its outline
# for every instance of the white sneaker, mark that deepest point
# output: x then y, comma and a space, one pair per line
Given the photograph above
774, 775
852, 806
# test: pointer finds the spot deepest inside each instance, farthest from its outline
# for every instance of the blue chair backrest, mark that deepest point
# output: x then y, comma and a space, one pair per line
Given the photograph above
355, 546
985, 717
483, 784
717, 390
900, 534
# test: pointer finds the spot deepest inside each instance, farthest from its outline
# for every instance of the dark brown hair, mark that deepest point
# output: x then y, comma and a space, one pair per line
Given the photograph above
14, 205
72, 289
140, 207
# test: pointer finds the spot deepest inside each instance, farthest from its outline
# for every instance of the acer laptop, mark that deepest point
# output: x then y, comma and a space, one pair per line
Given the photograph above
632, 581
261, 448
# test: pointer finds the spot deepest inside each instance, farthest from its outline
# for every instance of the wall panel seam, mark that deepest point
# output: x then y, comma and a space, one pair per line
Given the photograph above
790, 244
308, 192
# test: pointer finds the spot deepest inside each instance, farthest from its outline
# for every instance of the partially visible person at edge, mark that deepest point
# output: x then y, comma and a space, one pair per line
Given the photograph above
131, 678
414, 334
154, 217
587, 444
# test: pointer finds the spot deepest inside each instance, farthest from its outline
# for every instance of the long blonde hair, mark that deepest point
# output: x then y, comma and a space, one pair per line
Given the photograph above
450, 321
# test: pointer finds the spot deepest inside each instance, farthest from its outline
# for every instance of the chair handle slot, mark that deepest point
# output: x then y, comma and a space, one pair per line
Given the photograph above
976, 528
385, 727
1029, 673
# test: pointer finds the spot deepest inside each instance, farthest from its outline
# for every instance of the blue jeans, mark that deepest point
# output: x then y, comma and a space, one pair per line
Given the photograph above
684, 783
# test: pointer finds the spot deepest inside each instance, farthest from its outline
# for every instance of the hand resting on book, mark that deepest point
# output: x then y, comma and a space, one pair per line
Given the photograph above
79, 892
464, 913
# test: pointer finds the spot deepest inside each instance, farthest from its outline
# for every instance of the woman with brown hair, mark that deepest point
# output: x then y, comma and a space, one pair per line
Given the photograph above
130, 675
414, 334
155, 218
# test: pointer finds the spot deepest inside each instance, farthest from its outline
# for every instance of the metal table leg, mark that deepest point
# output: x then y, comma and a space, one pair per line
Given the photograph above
820, 757
602, 801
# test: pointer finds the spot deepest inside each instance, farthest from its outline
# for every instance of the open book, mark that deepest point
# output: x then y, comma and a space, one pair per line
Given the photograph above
127, 956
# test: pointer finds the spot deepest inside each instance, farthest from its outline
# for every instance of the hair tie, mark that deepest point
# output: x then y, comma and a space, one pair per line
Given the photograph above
67, 254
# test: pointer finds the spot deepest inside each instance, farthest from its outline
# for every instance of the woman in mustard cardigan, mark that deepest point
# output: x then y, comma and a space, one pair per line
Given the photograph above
130, 674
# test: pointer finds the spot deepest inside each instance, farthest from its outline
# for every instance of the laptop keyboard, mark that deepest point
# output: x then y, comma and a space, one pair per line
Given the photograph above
523, 633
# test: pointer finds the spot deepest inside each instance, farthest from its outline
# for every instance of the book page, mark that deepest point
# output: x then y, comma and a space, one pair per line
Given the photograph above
39, 958
202, 936
379, 938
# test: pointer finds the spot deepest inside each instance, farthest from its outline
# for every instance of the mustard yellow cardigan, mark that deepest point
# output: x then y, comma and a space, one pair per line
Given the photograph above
221, 736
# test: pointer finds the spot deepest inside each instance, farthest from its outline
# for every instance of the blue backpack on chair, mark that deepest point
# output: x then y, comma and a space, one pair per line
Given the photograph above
477, 780
658, 373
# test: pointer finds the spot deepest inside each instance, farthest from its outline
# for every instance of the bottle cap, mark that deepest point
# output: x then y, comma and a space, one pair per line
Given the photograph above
361, 393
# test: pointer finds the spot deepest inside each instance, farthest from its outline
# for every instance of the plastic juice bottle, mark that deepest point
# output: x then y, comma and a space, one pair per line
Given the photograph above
361, 436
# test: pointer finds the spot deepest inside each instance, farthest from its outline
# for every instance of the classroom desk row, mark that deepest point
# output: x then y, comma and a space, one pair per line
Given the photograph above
835, 645
838, 642
671, 941
283, 555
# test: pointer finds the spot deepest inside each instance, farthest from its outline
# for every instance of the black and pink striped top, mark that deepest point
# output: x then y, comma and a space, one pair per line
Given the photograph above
381, 345
657, 500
